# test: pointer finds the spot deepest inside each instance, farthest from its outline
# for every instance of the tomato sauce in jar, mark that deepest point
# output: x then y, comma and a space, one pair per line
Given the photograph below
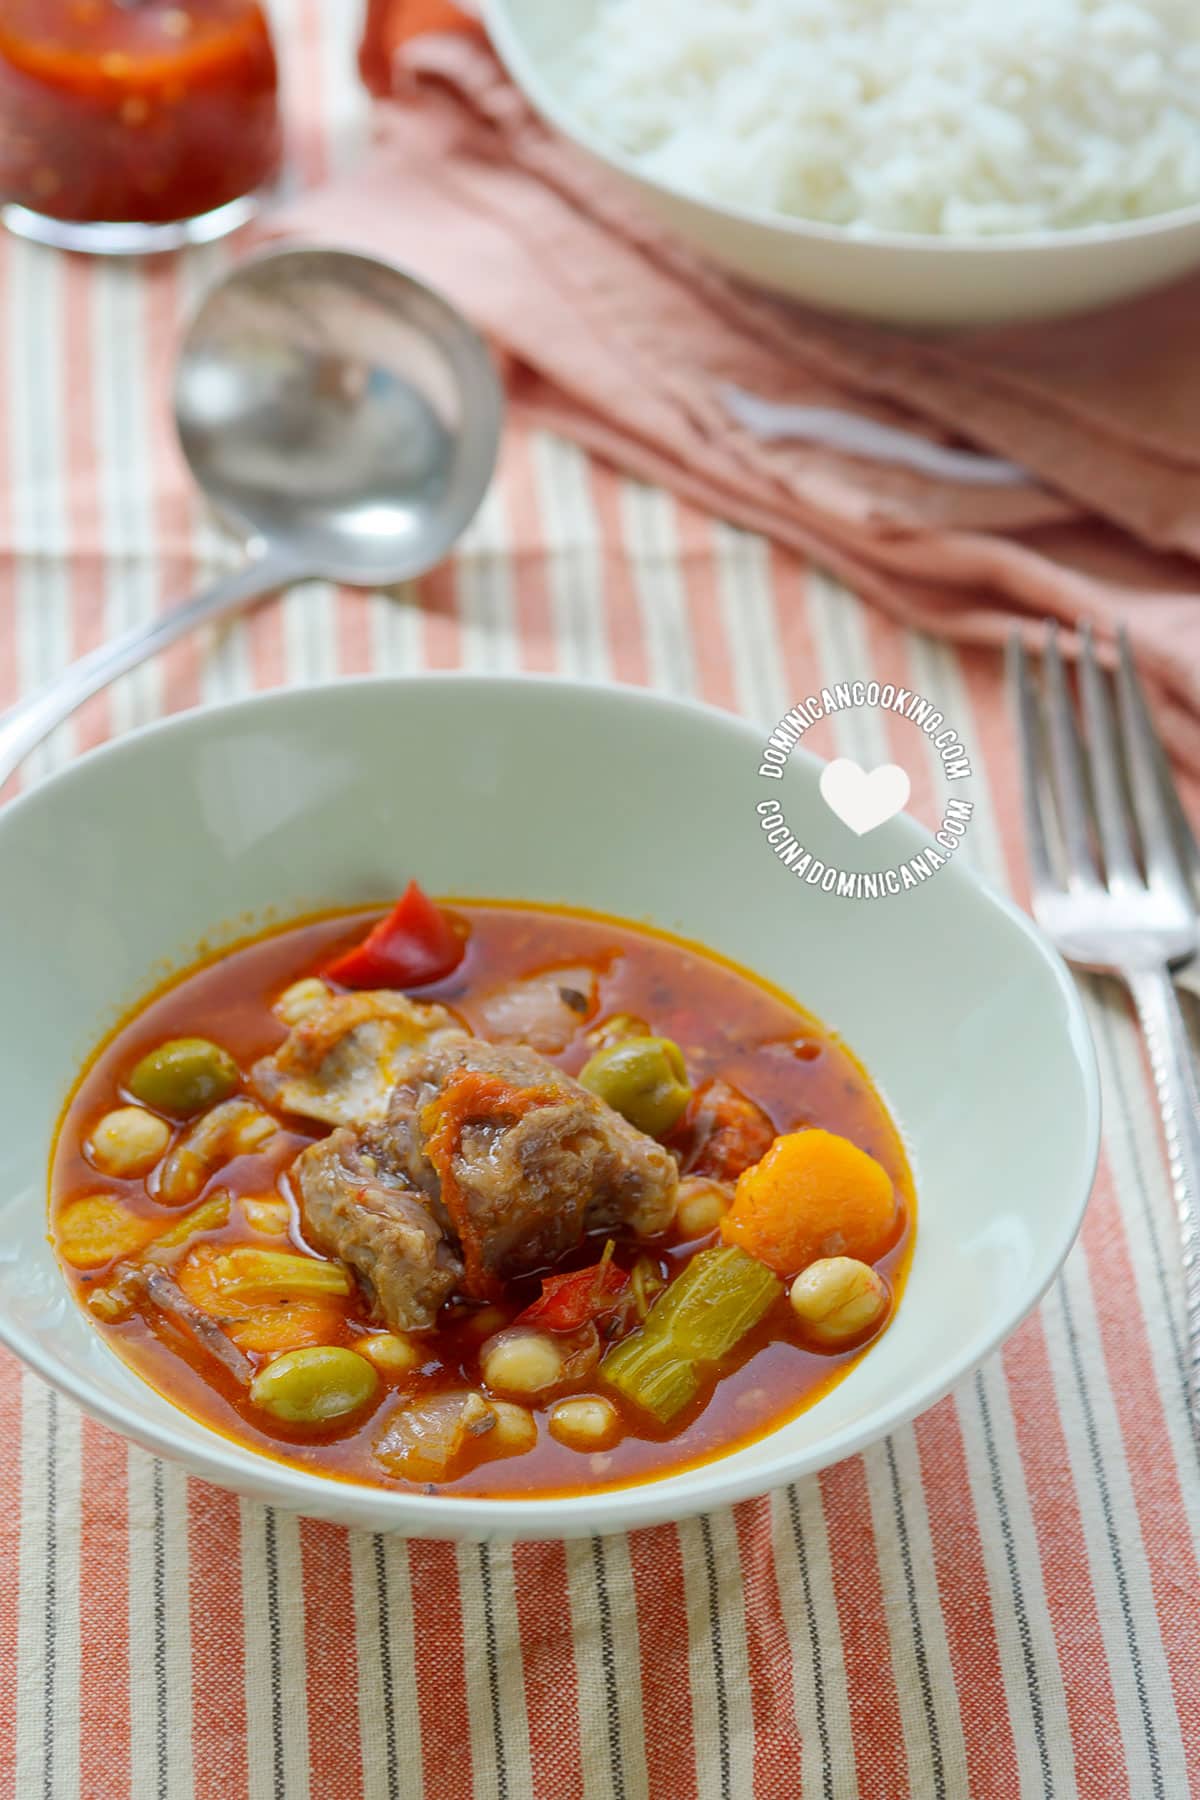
147, 113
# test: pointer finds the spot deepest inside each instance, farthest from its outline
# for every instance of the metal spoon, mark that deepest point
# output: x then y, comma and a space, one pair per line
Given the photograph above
337, 412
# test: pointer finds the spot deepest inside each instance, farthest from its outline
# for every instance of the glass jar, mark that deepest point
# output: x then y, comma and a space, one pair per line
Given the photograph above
135, 125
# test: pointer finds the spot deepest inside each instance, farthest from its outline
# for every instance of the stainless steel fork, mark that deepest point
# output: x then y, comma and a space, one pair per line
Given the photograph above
1111, 891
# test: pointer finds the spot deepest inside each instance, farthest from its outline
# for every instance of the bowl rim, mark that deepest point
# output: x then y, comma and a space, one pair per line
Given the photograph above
228, 1463
523, 67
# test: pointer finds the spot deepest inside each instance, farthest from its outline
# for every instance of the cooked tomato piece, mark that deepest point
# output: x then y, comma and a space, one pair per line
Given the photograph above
721, 1133
568, 1302
414, 945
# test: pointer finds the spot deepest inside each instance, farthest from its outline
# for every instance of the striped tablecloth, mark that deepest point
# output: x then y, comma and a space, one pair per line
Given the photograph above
1001, 1600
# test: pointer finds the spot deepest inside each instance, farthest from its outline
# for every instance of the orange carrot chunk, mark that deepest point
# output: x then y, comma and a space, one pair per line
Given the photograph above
813, 1194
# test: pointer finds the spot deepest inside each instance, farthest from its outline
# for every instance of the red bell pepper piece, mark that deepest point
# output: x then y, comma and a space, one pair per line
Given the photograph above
568, 1302
414, 945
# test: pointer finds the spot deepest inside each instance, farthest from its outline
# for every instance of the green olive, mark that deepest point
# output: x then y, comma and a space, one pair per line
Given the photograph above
642, 1078
313, 1385
184, 1077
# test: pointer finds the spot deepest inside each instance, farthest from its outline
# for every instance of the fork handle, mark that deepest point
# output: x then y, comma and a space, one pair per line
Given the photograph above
1173, 1068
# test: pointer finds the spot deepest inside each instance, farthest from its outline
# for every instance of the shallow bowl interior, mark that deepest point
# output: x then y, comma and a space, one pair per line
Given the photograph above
898, 278
203, 828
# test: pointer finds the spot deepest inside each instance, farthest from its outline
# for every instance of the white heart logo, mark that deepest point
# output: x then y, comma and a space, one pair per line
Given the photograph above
861, 798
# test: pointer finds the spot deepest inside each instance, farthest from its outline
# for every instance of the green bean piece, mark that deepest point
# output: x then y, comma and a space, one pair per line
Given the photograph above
314, 1385
642, 1078
184, 1076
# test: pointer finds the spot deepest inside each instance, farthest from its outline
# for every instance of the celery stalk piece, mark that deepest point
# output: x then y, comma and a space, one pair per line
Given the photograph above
714, 1302
702, 1314
247, 1273
648, 1371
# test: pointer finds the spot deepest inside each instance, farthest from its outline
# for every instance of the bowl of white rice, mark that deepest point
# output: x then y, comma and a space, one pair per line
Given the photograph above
923, 162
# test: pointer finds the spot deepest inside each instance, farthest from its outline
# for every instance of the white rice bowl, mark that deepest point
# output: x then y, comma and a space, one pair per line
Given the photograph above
966, 119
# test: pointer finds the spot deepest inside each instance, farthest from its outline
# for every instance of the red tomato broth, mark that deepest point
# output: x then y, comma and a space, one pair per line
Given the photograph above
726, 1021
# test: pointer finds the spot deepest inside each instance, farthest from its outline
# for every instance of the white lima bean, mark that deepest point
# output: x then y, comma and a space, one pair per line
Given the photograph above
267, 1213
486, 1323
838, 1299
127, 1142
585, 1423
521, 1361
516, 1428
700, 1207
391, 1352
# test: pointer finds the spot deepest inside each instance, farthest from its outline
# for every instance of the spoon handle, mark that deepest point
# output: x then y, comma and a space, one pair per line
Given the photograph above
24, 725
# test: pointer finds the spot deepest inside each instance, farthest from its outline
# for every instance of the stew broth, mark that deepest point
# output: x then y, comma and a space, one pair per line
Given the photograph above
727, 1024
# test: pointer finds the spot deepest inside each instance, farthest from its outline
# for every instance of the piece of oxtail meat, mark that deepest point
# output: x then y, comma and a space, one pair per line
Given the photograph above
357, 1203
341, 1063
518, 1159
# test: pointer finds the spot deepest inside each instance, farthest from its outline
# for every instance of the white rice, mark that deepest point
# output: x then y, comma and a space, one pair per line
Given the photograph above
964, 118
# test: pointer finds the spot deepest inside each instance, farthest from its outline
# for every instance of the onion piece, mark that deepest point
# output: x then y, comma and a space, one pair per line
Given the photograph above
427, 1439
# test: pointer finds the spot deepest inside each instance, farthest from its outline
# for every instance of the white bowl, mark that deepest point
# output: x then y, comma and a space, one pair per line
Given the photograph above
604, 797
900, 278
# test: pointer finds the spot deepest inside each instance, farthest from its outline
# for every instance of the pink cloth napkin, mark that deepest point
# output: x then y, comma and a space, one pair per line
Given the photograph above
615, 335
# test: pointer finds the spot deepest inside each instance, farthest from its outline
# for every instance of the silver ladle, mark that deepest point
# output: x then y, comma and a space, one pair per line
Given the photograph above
341, 416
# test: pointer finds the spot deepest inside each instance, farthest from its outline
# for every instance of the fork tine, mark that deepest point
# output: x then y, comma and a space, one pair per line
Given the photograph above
1067, 763
1185, 837
1119, 859
1040, 866
1148, 774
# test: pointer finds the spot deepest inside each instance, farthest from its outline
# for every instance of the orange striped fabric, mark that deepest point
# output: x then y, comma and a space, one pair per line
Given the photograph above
1001, 1600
